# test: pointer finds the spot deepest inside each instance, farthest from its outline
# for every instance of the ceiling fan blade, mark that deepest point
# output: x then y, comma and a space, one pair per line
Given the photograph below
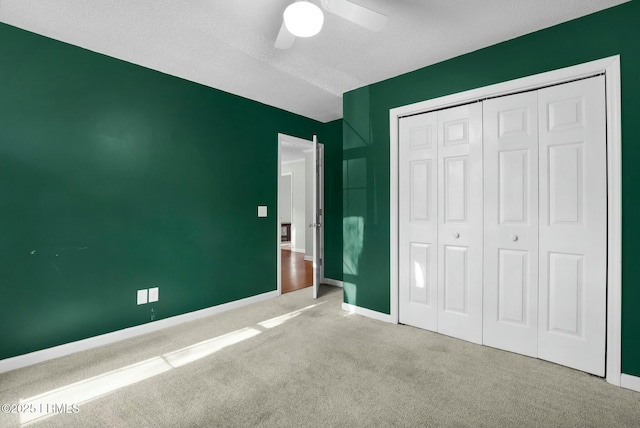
285, 38
367, 18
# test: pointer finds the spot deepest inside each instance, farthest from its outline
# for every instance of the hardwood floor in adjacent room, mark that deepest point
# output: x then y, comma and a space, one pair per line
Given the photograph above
296, 272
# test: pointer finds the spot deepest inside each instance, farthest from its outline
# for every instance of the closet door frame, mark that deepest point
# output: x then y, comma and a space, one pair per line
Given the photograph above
610, 67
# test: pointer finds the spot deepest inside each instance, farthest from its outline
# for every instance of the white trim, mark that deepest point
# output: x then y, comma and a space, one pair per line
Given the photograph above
308, 258
630, 382
611, 67
298, 250
367, 313
614, 226
36, 357
333, 282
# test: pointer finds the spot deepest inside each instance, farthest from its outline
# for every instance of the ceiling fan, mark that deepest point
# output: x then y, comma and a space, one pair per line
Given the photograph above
365, 17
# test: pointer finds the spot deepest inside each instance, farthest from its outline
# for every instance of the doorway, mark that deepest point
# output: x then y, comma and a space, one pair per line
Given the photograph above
300, 233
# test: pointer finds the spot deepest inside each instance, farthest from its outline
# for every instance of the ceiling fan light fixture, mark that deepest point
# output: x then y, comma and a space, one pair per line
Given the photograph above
303, 19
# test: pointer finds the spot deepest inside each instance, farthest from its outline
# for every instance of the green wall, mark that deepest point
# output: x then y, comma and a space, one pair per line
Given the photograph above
332, 140
366, 145
114, 178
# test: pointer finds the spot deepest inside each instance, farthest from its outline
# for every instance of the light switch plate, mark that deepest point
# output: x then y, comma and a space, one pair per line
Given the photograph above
262, 210
153, 294
142, 296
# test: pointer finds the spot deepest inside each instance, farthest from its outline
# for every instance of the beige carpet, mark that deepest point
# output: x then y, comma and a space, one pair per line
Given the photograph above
314, 368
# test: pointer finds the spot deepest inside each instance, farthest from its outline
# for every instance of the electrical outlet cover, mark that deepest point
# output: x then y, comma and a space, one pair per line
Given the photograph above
262, 210
153, 294
142, 296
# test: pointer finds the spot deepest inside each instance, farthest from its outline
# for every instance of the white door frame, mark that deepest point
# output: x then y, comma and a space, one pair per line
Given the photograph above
290, 138
611, 68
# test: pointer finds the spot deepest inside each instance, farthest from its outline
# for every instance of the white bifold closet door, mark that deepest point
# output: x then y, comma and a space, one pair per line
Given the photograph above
503, 223
573, 225
545, 224
418, 231
511, 223
440, 212
460, 222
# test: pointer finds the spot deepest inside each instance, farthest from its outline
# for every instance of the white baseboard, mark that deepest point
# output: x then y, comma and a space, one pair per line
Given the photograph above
367, 313
298, 250
308, 258
36, 357
334, 282
630, 382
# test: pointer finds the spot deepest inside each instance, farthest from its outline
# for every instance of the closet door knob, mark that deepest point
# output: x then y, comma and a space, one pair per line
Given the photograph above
456, 235
514, 237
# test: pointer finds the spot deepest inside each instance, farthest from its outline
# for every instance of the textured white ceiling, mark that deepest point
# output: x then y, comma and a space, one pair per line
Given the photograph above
228, 44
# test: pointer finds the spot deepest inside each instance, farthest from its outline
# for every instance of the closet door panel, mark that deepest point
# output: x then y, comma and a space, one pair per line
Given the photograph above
418, 221
460, 222
510, 302
573, 225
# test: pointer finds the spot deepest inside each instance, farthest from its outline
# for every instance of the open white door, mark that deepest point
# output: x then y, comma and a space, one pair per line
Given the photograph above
317, 216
